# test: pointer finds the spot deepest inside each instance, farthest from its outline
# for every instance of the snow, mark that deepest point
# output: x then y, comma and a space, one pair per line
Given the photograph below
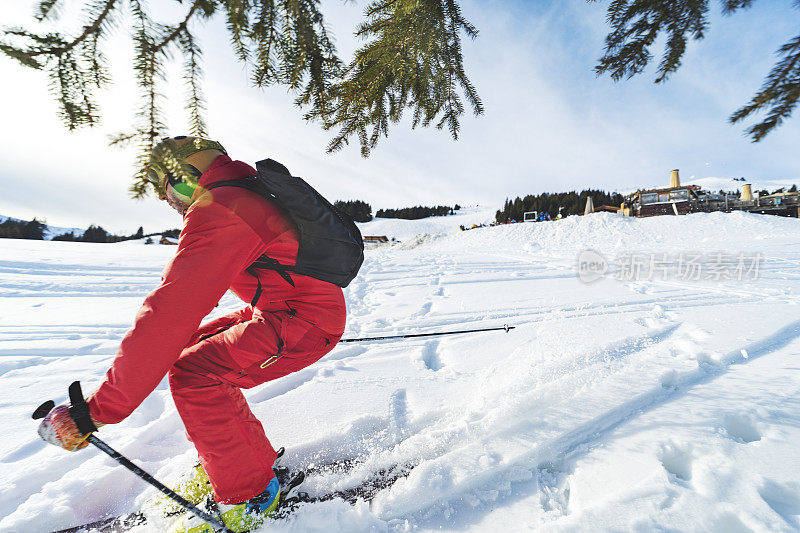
651, 404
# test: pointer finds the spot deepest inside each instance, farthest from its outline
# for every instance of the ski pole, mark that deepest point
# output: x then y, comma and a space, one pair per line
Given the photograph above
505, 328
79, 404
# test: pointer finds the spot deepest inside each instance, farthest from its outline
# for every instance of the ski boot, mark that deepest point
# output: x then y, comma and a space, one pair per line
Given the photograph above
238, 517
195, 489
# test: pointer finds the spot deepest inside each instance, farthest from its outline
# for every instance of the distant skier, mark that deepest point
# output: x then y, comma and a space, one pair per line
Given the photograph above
291, 323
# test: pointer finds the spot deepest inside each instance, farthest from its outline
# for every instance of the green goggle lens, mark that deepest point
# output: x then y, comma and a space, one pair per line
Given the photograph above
184, 189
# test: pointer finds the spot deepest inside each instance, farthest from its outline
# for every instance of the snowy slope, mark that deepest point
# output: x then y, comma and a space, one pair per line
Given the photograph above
620, 405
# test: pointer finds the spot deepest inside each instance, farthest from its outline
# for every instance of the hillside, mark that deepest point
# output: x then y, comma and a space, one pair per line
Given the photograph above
637, 402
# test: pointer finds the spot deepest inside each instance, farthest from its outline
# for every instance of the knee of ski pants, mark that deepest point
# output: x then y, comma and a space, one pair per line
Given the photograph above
267, 347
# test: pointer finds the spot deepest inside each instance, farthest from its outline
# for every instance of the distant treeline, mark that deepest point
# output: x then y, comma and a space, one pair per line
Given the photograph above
362, 212
98, 234
571, 203
417, 212
35, 230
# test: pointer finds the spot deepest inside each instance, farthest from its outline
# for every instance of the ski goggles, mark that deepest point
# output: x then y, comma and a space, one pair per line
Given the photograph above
160, 180
167, 160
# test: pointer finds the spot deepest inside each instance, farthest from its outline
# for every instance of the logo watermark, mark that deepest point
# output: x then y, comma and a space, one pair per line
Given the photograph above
591, 266
684, 266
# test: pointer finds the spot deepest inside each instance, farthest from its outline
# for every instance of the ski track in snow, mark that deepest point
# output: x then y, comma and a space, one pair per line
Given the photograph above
646, 405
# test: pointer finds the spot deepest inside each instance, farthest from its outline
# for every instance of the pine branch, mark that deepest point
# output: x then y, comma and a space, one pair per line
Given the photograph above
413, 60
73, 64
779, 94
90, 29
149, 70
635, 25
173, 35
192, 73
729, 6
238, 23
264, 34
47, 10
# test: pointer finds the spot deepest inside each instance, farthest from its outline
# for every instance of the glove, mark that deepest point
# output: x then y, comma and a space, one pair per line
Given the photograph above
58, 428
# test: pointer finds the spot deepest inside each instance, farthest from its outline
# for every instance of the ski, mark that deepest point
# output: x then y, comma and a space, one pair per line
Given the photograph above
123, 523
115, 524
380, 480
291, 497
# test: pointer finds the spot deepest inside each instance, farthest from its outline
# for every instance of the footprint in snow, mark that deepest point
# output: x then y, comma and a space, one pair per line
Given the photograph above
554, 488
742, 427
398, 414
784, 499
676, 461
430, 356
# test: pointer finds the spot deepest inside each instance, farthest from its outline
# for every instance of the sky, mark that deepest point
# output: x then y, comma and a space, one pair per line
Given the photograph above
550, 124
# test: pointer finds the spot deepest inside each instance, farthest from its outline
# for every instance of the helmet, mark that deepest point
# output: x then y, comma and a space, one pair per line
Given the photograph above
167, 165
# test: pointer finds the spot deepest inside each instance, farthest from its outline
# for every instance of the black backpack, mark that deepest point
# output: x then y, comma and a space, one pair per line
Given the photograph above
331, 248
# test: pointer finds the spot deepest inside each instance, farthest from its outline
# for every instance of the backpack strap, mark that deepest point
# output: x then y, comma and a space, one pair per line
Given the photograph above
267, 263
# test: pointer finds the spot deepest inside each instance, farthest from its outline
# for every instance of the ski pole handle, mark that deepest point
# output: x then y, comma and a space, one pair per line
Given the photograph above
80, 410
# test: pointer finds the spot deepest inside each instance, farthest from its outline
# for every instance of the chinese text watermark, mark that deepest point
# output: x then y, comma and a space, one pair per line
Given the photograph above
684, 266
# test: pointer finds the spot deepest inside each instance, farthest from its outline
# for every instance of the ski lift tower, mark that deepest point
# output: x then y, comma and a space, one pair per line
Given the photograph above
530, 216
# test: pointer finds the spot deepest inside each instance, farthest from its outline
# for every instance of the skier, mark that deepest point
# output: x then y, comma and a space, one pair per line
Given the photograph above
291, 323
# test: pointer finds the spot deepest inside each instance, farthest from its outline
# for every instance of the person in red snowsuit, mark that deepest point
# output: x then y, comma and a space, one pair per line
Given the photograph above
290, 327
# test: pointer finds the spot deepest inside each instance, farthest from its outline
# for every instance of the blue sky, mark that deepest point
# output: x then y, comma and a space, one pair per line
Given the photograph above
550, 124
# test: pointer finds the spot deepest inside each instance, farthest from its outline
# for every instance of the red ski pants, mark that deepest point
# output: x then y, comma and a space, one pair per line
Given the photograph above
239, 351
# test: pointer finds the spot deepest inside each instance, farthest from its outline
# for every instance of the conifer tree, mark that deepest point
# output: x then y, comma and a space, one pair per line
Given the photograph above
69, 236
358, 210
636, 24
411, 59
95, 234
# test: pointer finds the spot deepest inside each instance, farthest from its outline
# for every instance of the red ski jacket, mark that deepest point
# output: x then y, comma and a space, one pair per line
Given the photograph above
225, 230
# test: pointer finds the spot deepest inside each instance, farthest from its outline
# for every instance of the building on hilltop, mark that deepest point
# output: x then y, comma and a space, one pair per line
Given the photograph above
680, 199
